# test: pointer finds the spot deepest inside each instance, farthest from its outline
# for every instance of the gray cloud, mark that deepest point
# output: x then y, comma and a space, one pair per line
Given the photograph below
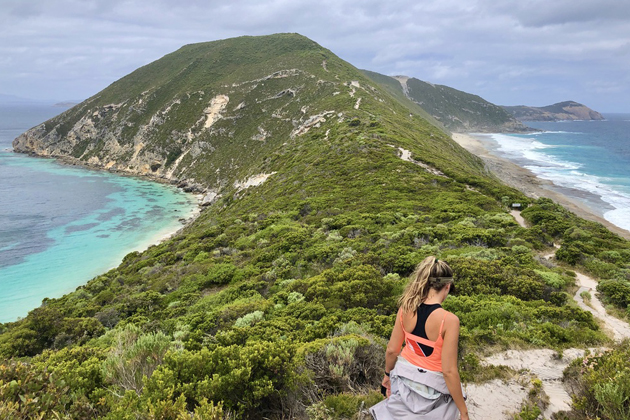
531, 51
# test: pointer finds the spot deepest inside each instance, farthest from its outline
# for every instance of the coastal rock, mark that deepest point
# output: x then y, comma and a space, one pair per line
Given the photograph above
210, 198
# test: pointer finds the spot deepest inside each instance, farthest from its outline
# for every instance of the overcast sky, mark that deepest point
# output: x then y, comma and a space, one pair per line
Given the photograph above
533, 52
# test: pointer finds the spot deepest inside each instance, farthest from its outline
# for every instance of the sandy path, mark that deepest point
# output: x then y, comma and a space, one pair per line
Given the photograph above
619, 328
519, 219
495, 400
406, 156
547, 366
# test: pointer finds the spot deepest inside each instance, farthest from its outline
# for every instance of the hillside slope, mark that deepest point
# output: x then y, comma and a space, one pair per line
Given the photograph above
207, 115
455, 110
277, 301
562, 111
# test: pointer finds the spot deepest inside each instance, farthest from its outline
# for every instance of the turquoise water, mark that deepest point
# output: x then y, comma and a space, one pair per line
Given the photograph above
589, 160
60, 226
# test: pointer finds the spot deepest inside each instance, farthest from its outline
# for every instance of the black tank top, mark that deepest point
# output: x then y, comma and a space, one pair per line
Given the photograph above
422, 314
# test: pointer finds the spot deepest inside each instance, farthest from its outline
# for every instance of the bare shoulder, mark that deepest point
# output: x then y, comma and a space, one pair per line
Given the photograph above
450, 319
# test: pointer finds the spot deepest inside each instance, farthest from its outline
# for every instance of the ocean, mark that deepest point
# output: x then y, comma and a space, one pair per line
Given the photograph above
61, 225
587, 160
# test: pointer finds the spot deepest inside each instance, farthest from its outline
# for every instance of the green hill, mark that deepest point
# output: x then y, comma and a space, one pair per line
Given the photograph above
206, 114
277, 301
455, 110
568, 110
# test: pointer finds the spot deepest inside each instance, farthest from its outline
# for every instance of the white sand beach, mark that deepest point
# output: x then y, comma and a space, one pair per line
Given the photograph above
524, 180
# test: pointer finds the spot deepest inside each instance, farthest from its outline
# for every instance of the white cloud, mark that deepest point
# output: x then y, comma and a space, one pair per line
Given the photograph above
507, 52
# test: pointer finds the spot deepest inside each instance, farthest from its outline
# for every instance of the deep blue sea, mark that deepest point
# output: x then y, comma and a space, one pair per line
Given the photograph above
589, 160
61, 225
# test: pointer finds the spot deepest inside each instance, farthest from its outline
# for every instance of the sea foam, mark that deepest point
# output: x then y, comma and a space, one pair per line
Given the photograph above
542, 159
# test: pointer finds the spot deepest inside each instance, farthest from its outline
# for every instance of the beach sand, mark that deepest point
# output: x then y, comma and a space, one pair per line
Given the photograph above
524, 180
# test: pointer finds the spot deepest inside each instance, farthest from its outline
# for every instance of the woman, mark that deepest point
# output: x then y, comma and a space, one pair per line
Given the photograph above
422, 381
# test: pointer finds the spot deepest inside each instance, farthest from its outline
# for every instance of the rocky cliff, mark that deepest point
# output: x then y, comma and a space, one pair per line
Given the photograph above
562, 111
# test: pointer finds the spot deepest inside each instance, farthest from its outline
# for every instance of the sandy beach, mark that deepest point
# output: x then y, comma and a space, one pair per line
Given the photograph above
532, 186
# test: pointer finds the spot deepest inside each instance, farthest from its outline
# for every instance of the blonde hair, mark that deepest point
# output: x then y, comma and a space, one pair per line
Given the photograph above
429, 274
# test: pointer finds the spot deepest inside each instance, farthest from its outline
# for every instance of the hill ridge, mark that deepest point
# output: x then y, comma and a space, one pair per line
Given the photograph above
566, 110
455, 110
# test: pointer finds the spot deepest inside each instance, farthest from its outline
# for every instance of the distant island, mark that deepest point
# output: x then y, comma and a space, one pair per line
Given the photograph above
6, 99
568, 110
66, 104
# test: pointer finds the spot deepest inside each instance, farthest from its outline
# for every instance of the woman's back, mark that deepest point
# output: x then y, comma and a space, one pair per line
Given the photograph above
423, 332
421, 326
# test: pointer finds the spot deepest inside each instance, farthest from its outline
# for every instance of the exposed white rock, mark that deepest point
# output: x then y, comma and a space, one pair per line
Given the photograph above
356, 106
136, 150
276, 75
210, 198
200, 147
261, 136
403, 82
213, 112
175, 164
311, 122
170, 106
253, 181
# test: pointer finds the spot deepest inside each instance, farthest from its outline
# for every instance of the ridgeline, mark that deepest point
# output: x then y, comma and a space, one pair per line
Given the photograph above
562, 111
452, 109
323, 190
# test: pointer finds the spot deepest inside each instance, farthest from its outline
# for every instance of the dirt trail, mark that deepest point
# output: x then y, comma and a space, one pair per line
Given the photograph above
519, 219
619, 328
496, 400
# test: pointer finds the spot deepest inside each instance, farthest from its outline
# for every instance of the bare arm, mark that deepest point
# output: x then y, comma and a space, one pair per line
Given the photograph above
393, 350
449, 364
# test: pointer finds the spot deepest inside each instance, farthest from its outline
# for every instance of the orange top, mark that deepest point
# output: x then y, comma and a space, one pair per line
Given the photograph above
414, 354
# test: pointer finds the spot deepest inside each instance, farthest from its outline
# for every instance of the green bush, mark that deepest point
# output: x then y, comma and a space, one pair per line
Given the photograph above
616, 292
134, 357
601, 384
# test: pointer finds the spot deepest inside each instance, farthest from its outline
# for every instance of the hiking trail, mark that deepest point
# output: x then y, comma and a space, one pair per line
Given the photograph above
499, 400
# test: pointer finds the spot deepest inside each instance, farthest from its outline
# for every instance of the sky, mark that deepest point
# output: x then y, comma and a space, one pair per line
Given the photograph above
526, 52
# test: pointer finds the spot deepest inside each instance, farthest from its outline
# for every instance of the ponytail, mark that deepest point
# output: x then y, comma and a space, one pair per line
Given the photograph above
429, 274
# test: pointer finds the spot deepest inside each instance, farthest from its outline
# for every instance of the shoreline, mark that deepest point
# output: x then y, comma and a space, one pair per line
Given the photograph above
180, 221
529, 184
164, 235
69, 161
